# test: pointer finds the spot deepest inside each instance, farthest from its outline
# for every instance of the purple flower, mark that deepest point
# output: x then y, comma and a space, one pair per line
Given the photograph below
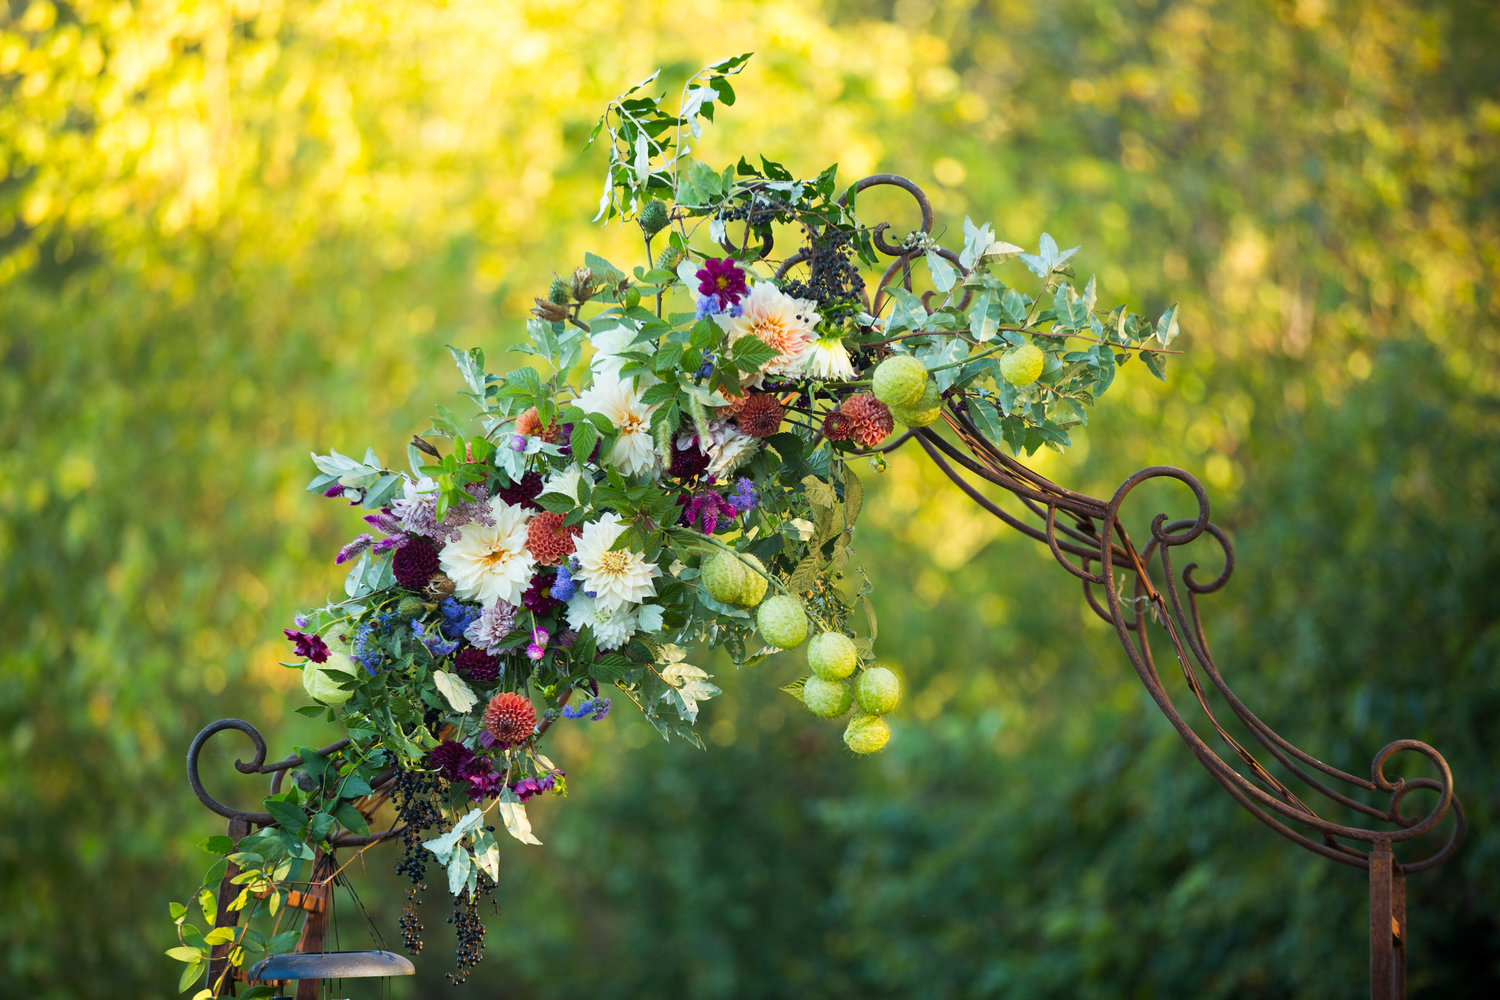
385, 521
336, 490
309, 646
723, 279
595, 709
483, 780
526, 788
540, 636
743, 499
518, 443
433, 640
353, 549
535, 651
706, 508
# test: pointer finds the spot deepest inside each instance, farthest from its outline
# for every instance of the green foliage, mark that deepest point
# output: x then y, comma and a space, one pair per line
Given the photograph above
230, 233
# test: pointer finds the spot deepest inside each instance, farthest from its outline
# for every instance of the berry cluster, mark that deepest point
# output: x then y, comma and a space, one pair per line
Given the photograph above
469, 926
412, 795
758, 211
833, 282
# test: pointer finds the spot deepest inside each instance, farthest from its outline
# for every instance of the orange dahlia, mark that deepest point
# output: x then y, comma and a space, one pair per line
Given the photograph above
549, 539
510, 719
870, 420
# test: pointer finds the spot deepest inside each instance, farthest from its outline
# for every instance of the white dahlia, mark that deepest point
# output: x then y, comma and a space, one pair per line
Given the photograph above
618, 401
729, 448
613, 576
612, 628
565, 482
827, 358
777, 319
608, 348
489, 562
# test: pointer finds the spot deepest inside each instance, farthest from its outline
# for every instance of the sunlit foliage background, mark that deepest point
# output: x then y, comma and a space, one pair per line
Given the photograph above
232, 231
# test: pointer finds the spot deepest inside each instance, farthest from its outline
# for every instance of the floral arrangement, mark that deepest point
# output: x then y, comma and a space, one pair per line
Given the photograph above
675, 474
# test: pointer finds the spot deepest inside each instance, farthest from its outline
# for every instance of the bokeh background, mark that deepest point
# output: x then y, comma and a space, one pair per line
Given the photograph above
232, 231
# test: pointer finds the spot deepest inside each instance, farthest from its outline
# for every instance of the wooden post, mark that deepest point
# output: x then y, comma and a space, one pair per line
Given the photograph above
219, 979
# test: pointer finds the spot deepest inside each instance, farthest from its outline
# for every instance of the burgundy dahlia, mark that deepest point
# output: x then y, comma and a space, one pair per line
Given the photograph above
477, 665
688, 462
523, 493
538, 597
449, 759
309, 646
414, 563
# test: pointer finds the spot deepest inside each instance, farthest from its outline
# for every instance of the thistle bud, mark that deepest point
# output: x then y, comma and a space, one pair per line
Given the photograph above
583, 284
653, 217
550, 311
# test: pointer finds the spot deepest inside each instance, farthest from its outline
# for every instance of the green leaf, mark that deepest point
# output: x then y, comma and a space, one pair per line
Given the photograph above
219, 935
177, 910
1166, 327
189, 976
182, 953
943, 274
750, 354
289, 817
218, 843
1155, 364
350, 818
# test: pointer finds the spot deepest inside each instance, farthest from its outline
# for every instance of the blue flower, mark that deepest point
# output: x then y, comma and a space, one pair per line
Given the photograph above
563, 587
457, 616
743, 498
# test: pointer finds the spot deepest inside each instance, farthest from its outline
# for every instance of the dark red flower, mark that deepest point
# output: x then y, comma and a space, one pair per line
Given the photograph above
309, 646
523, 493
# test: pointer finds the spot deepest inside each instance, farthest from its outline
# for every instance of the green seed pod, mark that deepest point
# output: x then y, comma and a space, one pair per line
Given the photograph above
558, 293
653, 217
669, 258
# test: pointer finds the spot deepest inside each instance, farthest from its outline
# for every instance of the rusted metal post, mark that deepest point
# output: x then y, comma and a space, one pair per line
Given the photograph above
1387, 924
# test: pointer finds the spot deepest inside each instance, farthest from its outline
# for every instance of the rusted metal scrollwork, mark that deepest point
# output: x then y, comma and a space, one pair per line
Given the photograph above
1139, 590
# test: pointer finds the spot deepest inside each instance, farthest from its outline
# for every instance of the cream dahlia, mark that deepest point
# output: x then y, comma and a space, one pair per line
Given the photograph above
489, 562
827, 358
778, 319
728, 448
618, 401
613, 576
